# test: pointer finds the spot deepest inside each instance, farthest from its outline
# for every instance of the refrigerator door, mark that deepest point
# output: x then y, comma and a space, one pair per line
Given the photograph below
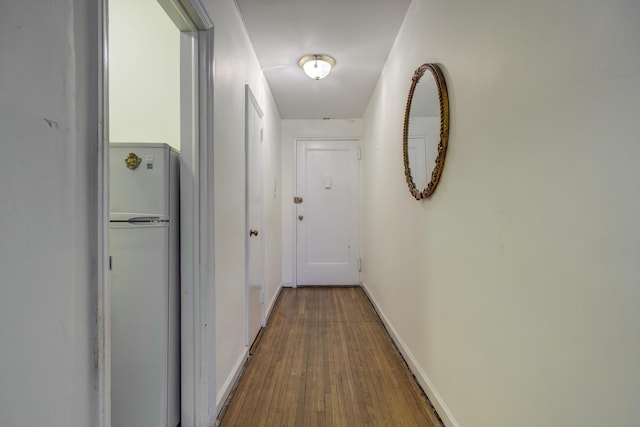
141, 175
139, 324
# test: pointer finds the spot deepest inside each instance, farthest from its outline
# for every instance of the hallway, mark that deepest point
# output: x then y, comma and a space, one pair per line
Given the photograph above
325, 359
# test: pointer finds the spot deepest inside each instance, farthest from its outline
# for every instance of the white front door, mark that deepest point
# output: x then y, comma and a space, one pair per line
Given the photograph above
255, 253
327, 238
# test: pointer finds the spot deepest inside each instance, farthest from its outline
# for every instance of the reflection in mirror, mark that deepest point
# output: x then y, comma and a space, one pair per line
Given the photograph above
426, 130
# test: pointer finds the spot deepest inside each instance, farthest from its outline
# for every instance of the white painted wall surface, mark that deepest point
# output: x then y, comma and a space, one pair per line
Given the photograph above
293, 129
144, 73
516, 286
235, 66
48, 178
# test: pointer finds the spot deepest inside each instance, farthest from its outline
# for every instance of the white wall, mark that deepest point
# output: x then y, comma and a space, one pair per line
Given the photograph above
48, 179
235, 66
292, 130
144, 73
515, 287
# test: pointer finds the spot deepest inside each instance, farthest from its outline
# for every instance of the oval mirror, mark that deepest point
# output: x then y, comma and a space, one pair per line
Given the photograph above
426, 130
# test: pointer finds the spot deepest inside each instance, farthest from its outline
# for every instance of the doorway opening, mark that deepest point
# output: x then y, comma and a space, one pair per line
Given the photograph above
196, 206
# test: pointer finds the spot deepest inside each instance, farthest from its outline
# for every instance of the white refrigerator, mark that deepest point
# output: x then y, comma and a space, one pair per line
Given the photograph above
145, 285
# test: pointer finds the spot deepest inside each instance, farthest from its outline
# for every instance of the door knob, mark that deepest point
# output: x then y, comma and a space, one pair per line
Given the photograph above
253, 232
300, 217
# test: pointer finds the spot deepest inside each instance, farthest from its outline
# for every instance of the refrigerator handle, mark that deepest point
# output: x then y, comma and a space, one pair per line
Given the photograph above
144, 219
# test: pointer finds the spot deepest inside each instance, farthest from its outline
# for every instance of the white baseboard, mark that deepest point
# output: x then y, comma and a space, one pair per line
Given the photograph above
421, 376
269, 307
222, 396
295, 285
332, 285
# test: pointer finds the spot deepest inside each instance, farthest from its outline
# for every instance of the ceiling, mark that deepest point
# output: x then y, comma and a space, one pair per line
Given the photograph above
357, 33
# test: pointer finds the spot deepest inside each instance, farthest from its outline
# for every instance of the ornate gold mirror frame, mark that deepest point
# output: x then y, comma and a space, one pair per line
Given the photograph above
443, 97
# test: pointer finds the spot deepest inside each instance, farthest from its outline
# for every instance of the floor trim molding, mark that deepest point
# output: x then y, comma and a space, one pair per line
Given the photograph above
230, 383
423, 379
270, 307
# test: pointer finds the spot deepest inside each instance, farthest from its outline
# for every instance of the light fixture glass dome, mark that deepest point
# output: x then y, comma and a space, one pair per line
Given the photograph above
317, 66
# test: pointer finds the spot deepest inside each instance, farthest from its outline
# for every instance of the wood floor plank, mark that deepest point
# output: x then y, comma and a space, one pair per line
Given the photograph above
325, 359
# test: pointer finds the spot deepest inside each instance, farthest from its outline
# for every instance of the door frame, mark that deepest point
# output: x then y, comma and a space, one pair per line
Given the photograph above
197, 239
356, 141
252, 102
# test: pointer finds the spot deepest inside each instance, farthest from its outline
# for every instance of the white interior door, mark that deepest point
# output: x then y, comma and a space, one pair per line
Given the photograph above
327, 231
255, 248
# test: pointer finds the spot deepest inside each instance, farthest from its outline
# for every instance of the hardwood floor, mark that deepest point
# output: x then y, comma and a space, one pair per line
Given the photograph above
325, 359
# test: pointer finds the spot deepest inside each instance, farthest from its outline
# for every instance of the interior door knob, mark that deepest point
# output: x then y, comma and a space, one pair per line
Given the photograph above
253, 232
300, 217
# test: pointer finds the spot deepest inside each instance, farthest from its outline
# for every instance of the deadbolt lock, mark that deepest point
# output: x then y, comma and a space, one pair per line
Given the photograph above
300, 217
297, 200
253, 232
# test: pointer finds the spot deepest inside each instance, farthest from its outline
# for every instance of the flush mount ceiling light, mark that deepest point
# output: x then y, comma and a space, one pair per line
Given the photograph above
317, 66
